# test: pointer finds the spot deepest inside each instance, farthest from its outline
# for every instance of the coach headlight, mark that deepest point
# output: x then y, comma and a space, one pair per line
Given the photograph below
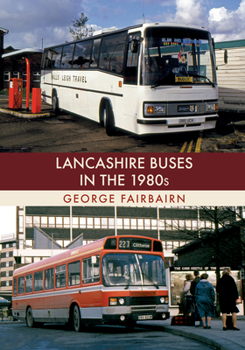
162, 300
211, 107
154, 110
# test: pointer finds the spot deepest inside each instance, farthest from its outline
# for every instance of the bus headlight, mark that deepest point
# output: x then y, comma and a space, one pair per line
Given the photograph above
121, 301
212, 107
163, 300
116, 301
113, 301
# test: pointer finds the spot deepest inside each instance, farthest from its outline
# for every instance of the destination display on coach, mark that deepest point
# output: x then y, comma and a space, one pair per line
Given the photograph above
134, 244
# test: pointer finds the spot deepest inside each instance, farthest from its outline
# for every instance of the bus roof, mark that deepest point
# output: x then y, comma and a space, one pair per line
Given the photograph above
108, 31
91, 248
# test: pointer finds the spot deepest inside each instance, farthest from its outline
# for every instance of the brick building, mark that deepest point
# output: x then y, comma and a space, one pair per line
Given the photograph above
2, 33
14, 65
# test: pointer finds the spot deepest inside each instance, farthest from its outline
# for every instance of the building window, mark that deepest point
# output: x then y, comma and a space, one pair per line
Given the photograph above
16, 75
66, 222
36, 77
6, 76
51, 222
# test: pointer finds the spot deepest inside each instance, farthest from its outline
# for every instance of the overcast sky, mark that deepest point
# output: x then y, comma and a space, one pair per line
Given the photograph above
30, 21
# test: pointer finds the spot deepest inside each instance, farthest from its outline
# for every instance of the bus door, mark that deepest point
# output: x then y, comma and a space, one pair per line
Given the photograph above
130, 105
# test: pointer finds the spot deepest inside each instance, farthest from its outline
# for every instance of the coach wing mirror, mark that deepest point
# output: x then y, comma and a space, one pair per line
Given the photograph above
134, 46
225, 56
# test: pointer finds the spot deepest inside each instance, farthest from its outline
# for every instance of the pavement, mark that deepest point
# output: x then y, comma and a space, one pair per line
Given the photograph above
46, 109
215, 337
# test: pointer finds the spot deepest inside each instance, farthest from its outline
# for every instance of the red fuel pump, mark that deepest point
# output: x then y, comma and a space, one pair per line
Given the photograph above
15, 93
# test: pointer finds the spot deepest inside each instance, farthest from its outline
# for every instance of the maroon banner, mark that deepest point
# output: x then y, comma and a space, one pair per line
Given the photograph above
117, 171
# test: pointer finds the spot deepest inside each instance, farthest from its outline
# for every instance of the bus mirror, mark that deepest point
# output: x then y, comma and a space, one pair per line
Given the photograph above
225, 56
134, 46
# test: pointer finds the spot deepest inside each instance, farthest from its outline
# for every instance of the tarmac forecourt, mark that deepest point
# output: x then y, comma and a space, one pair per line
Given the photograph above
23, 113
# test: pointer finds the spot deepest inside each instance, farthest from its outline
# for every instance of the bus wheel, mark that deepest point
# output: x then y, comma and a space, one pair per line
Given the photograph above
76, 318
55, 103
109, 120
29, 318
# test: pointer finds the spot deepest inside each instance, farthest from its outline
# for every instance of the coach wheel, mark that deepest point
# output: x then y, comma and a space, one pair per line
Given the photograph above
109, 120
76, 318
55, 103
29, 318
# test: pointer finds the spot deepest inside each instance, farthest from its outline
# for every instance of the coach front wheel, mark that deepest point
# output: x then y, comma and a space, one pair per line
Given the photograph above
55, 103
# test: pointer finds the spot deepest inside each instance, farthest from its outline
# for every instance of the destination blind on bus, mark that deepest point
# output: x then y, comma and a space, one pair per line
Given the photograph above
134, 244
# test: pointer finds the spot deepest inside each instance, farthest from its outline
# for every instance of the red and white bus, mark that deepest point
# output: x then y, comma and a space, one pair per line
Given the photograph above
147, 79
115, 280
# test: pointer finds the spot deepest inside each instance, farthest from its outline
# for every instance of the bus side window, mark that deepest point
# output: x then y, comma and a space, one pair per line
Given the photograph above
29, 283
38, 281
74, 275
67, 56
91, 269
21, 285
60, 276
49, 279
15, 286
131, 69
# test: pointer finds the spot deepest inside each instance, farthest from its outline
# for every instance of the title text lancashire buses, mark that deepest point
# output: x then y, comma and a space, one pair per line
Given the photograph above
116, 280
148, 79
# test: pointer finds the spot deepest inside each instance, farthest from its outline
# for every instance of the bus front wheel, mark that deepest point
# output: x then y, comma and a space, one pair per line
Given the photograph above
76, 319
109, 120
29, 318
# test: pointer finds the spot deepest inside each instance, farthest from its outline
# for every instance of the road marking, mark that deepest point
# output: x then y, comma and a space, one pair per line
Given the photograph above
187, 146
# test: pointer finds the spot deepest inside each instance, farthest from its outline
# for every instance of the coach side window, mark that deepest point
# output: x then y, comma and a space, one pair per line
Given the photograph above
74, 275
82, 54
60, 276
56, 57
112, 52
91, 269
67, 55
38, 281
29, 283
95, 53
47, 59
49, 279
21, 285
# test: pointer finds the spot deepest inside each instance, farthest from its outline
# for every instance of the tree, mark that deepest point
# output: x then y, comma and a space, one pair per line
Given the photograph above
80, 29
